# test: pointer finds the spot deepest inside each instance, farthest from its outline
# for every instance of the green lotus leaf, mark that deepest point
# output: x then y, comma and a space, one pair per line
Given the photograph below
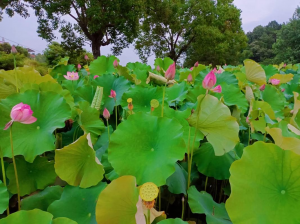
77, 204
163, 63
270, 70
228, 78
211, 165
233, 96
102, 65
32, 176
194, 92
4, 199
173, 221
35, 216
265, 182
265, 107
89, 120
176, 94
203, 203
275, 98
139, 72
51, 111
6, 90
195, 72
42, 199
78, 165
216, 123
117, 203
254, 72
124, 71
141, 98
63, 220
110, 82
177, 182
146, 147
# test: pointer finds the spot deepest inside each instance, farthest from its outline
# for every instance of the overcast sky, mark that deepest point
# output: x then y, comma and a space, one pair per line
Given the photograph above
254, 13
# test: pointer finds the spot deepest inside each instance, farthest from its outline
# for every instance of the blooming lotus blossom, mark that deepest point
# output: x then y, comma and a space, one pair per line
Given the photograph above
262, 88
21, 113
275, 82
190, 78
217, 89
72, 76
170, 73
79, 66
106, 114
113, 94
196, 64
86, 57
14, 50
209, 81
157, 68
116, 63
96, 76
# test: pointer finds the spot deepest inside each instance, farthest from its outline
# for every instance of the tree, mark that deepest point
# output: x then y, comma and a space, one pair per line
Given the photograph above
99, 22
287, 47
170, 27
220, 42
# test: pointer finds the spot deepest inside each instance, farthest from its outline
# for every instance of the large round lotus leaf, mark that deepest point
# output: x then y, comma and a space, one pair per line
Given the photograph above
163, 63
78, 165
176, 94
233, 96
51, 111
276, 99
284, 78
42, 199
63, 220
89, 121
110, 82
77, 204
173, 221
102, 65
227, 78
216, 123
35, 216
203, 203
265, 184
141, 98
177, 182
117, 203
146, 147
211, 165
32, 176
194, 92
254, 72
4, 199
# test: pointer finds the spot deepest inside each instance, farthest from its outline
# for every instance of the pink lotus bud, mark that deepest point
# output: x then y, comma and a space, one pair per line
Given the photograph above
79, 66
106, 114
116, 63
157, 68
170, 73
196, 64
282, 90
247, 120
113, 94
225, 64
215, 70
190, 78
72, 76
21, 113
13, 49
262, 88
284, 65
86, 57
96, 76
217, 89
209, 81
191, 68
275, 82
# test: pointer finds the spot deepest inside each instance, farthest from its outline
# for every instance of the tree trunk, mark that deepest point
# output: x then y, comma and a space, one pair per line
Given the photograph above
96, 49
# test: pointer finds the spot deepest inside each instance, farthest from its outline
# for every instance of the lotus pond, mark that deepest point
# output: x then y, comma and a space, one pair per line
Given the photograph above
110, 144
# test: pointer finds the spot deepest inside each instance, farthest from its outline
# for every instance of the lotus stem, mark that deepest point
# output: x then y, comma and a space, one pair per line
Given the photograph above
206, 183
15, 168
116, 111
249, 136
159, 199
265, 135
182, 206
15, 66
188, 150
108, 131
3, 175
163, 100
148, 217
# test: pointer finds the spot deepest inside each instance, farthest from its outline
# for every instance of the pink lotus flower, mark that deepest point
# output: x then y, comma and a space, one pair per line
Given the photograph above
191, 68
13, 49
21, 113
96, 76
282, 90
113, 94
72, 76
116, 63
79, 66
157, 68
217, 89
190, 78
106, 114
170, 73
275, 82
217, 71
209, 81
262, 88
86, 57
196, 64
284, 65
